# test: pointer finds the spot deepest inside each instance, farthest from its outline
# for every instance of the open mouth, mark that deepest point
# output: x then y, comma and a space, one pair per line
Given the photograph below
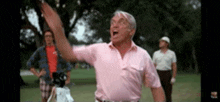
115, 33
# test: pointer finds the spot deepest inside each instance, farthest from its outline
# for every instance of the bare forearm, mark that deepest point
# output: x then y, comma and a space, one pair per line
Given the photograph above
68, 78
64, 46
174, 73
174, 68
33, 70
68, 75
158, 94
55, 24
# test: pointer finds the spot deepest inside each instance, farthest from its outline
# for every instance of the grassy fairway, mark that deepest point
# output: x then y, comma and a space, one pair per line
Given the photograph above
186, 88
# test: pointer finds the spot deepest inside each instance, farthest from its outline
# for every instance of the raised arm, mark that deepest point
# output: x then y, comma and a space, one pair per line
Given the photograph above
55, 24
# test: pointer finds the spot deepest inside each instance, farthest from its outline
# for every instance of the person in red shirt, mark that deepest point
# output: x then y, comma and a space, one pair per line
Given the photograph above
49, 61
51, 53
121, 66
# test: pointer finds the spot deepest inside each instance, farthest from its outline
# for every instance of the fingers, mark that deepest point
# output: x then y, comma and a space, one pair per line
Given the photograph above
43, 72
46, 10
172, 82
214, 94
51, 17
67, 82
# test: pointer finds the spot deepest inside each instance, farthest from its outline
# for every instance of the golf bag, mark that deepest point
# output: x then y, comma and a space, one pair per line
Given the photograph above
60, 93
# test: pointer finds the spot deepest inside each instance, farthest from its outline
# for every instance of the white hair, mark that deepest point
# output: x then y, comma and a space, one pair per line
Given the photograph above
128, 16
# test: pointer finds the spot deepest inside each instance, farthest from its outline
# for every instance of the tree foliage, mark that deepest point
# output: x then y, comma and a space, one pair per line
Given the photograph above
67, 10
180, 20
70, 11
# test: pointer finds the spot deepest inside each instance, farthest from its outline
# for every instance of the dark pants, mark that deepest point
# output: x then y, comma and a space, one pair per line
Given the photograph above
165, 78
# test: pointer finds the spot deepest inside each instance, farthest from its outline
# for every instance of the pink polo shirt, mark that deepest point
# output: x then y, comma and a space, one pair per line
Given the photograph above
119, 79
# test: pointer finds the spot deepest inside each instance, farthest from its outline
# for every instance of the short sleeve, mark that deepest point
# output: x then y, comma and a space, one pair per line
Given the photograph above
154, 59
85, 53
174, 58
151, 78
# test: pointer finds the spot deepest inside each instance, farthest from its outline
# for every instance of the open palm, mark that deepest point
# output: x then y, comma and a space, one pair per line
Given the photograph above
51, 17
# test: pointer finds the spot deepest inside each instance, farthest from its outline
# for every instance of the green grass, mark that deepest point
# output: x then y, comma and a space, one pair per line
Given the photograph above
78, 77
186, 88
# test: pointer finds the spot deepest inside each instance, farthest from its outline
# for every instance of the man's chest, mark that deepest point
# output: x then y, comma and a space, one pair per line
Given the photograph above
112, 61
51, 53
111, 66
160, 57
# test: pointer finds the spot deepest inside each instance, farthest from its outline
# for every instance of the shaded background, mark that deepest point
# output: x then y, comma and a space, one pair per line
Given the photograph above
206, 56
180, 20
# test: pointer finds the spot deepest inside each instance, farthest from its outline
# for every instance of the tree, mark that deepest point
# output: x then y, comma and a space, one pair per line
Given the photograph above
70, 12
67, 10
179, 20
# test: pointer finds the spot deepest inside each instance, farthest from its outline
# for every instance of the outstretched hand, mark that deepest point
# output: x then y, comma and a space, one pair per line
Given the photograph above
172, 80
67, 82
55, 24
51, 17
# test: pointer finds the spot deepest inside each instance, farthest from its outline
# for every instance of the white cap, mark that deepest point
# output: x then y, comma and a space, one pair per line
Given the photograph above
165, 39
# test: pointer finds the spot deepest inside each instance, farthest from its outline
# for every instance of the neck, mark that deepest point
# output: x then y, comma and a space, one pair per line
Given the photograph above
49, 44
124, 46
164, 49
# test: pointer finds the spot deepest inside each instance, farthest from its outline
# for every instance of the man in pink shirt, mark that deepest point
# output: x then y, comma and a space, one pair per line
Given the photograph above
121, 66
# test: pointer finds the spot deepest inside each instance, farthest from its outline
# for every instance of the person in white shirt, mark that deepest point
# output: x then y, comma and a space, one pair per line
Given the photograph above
165, 62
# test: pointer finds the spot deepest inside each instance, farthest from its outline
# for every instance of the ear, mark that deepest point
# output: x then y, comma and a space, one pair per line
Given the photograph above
132, 31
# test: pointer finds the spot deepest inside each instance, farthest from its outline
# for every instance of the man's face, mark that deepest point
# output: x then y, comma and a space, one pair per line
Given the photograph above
120, 29
48, 38
163, 44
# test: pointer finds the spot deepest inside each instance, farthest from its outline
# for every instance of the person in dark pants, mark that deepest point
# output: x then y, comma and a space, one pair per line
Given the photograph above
121, 66
165, 62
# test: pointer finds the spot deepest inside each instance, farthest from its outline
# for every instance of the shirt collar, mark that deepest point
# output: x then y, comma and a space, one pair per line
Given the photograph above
50, 46
133, 45
44, 46
166, 51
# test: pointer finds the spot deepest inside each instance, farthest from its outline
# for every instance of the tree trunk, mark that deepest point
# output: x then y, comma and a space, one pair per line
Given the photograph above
190, 66
195, 59
38, 40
